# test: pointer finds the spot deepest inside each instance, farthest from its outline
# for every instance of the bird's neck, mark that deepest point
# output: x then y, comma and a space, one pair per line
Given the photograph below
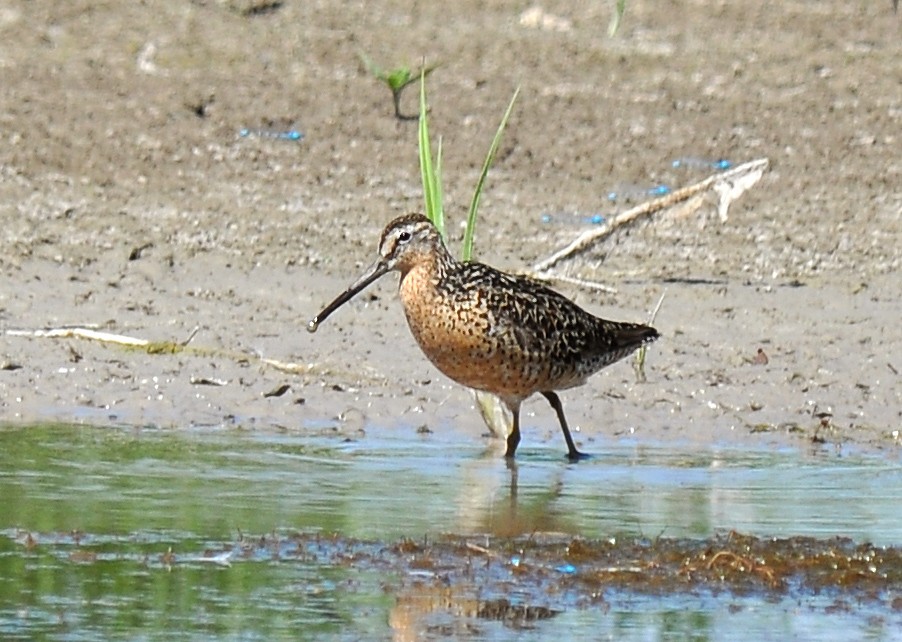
434, 264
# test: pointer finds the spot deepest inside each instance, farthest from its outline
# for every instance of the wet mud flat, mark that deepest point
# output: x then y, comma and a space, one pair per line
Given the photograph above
453, 585
244, 535
548, 573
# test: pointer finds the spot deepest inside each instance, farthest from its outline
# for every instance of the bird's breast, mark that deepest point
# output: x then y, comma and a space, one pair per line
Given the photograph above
458, 333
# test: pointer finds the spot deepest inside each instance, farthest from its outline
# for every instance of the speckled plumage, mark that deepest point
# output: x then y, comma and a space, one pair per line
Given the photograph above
505, 334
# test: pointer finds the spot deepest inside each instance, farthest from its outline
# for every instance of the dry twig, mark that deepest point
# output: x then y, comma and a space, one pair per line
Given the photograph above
728, 185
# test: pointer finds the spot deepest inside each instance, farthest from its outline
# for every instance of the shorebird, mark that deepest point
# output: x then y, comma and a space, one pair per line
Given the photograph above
501, 333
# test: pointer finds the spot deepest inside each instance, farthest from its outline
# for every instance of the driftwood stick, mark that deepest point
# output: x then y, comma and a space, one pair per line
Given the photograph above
728, 185
80, 333
573, 280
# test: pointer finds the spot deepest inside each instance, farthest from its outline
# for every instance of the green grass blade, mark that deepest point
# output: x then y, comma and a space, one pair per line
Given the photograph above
432, 190
426, 172
614, 25
437, 193
425, 71
399, 78
372, 68
470, 232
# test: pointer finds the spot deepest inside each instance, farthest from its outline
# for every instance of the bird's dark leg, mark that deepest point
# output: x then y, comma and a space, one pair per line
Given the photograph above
514, 471
573, 454
513, 439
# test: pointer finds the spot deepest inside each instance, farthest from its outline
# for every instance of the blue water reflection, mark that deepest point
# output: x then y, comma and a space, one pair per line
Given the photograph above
146, 504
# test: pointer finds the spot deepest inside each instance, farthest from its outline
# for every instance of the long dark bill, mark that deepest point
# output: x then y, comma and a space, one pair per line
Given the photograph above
376, 270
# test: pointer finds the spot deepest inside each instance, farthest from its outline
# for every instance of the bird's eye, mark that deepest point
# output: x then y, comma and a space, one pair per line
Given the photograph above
404, 236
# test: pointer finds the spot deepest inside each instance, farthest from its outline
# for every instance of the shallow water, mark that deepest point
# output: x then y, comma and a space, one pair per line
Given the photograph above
147, 534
